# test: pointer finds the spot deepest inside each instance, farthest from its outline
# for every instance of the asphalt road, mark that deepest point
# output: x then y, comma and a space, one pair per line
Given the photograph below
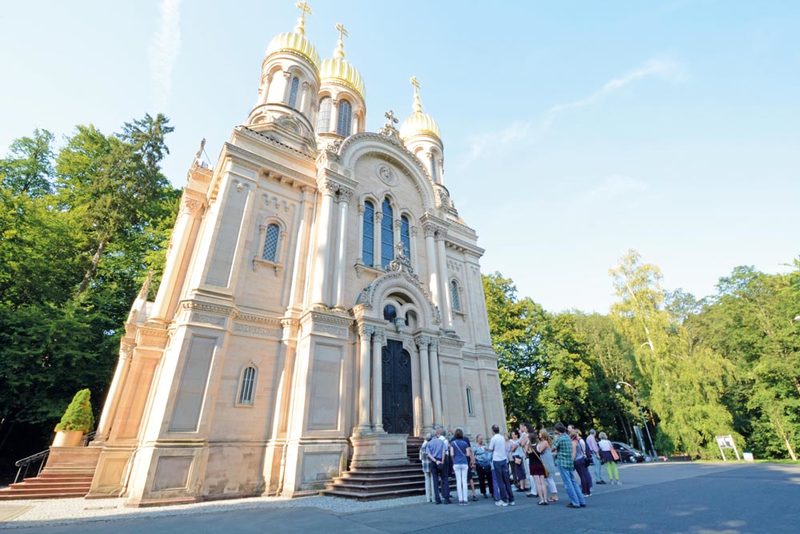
702, 498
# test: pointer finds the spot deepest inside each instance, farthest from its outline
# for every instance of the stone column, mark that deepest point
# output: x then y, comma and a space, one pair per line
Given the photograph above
341, 259
287, 76
334, 116
264, 91
430, 252
114, 393
377, 380
436, 383
321, 281
299, 245
365, 336
423, 343
443, 293
191, 209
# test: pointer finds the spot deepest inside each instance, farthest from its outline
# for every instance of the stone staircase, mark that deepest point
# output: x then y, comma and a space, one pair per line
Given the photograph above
372, 483
48, 486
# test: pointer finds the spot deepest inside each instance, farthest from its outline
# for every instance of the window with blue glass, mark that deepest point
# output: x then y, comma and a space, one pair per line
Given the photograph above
344, 119
405, 236
455, 296
387, 234
324, 117
368, 244
270, 252
293, 88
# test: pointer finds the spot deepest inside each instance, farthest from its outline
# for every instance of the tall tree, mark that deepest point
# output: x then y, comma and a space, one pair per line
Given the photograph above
29, 166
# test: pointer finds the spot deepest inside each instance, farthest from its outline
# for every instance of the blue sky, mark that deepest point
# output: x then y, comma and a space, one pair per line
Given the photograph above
572, 131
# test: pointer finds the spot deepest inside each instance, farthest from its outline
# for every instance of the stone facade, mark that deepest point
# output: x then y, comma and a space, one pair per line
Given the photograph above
283, 342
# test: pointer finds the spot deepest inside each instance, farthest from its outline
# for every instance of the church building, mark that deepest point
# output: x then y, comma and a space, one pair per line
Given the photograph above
321, 303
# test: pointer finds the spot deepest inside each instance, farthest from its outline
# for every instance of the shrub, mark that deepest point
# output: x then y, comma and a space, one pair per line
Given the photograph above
79, 414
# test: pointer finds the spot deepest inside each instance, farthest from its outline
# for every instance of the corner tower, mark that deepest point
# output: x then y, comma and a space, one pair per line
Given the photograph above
342, 110
289, 83
420, 133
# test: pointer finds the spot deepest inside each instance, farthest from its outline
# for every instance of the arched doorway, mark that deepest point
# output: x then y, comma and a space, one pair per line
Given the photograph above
398, 415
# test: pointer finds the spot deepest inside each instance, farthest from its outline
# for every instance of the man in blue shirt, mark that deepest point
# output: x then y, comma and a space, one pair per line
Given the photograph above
436, 454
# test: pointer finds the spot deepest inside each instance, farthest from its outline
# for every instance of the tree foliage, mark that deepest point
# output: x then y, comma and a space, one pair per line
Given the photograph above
81, 226
725, 364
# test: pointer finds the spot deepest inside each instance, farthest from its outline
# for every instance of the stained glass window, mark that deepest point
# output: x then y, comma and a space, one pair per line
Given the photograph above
271, 243
368, 245
387, 234
455, 297
248, 386
345, 118
405, 236
293, 91
324, 118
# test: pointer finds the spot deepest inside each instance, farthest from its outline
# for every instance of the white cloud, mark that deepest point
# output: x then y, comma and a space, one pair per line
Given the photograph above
531, 131
612, 193
666, 69
164, 51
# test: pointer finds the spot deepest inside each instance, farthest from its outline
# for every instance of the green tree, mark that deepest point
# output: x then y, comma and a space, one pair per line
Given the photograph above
29, 166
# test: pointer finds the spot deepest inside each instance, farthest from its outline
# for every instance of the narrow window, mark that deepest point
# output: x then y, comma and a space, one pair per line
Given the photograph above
324, 119
271, 243
368, 246
293, 91
405, 236
387, 234
455, 297
434, 170
470, 405
248, 386
345, 118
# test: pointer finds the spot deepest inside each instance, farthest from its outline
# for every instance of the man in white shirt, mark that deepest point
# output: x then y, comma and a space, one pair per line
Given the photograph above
500, 462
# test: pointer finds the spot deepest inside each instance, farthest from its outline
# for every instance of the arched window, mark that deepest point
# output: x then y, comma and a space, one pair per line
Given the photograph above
344, 119
324, 118
434, 170
387, 234
293, 88
405, 236
455, 297
368, 244
247, 387
271, 243
470, 403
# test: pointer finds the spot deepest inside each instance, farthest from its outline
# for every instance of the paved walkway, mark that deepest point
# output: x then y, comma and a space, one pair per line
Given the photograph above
702, 498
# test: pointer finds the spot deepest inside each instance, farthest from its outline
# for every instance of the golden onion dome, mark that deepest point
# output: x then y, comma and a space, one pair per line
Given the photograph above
338, 70
296, 41
419, 122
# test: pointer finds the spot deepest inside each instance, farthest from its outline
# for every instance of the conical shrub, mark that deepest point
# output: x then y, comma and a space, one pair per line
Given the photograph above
79, 413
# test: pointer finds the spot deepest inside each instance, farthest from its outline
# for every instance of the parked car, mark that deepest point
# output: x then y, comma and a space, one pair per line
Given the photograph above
628, 454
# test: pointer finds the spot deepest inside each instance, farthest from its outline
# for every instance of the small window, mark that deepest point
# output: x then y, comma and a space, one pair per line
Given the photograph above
405, 236
470, 404
248, 386
271, 243
455, 296
324, 118
389, 312
387, 234
344, 119
368, 244
293, 88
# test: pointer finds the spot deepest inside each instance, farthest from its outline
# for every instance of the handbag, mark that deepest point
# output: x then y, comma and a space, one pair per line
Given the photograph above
587, 458
614, 454
546, 472
517, 460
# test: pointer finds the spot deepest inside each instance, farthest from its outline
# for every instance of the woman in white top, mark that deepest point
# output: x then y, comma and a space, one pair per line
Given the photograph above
609, 457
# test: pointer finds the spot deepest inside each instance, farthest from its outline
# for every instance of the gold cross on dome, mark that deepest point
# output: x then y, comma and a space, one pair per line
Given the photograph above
304, 8
342, 31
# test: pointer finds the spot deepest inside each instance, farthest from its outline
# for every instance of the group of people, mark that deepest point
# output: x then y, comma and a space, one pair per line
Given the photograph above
526, 460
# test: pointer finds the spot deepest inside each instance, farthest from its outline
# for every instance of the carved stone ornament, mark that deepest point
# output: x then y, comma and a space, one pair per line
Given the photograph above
389, 130
386, 175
